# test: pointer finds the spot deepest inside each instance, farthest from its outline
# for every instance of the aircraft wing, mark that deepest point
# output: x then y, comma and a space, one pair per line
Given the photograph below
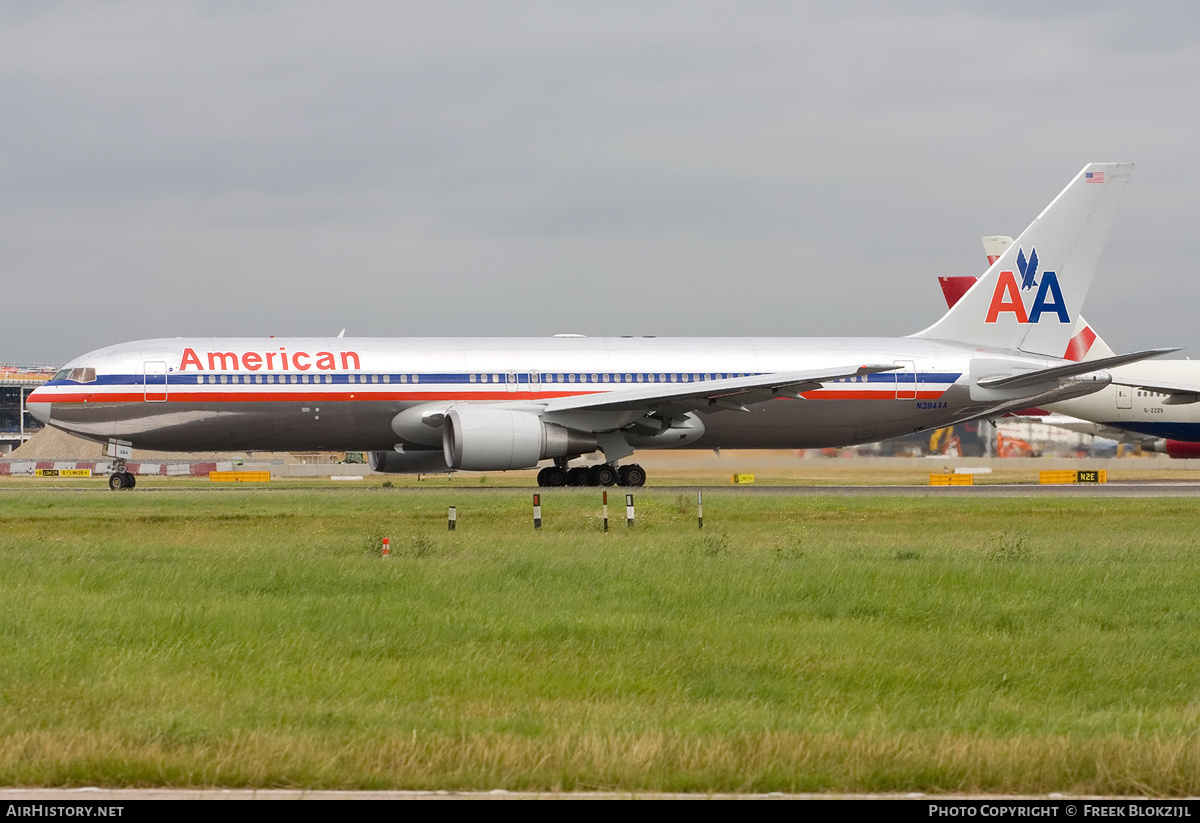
711, 395
1078, 426
1008, 407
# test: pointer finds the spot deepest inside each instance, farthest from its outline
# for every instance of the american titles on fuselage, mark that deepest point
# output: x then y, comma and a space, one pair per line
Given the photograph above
253, 361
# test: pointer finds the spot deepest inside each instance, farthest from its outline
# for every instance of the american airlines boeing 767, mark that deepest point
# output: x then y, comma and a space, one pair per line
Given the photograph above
493, 404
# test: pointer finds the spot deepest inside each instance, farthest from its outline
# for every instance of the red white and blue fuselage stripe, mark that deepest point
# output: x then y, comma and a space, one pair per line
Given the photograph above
257, 392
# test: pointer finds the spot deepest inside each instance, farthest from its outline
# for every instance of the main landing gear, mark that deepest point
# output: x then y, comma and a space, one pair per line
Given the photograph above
121, 481
601, 474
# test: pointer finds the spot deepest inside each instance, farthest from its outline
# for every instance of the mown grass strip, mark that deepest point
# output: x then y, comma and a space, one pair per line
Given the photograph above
796, 644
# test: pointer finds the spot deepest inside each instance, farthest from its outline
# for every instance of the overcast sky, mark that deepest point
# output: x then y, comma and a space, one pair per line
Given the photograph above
463, 168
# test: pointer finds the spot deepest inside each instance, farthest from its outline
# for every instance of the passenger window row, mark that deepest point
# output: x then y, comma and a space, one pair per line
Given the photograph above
605, 378
595, 377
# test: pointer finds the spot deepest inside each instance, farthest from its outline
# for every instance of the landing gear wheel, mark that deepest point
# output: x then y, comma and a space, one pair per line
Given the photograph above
602, 475
120, 481
631, 475
578, 476
552, 476
130, 480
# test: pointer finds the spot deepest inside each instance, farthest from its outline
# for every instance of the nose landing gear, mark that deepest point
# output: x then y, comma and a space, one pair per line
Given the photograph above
121, 479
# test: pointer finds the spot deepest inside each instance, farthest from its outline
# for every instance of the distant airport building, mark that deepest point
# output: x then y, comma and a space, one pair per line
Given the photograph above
17, 380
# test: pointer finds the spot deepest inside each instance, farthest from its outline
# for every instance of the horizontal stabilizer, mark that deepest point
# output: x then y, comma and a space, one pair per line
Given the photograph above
1033, 378
1075, 424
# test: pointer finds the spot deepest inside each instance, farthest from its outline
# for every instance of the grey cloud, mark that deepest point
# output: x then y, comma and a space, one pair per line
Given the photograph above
476, 168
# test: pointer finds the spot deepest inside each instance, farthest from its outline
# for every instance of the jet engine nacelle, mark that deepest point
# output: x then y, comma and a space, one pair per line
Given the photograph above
1175, 449
408, 462
421, 425
673, 434
486, 439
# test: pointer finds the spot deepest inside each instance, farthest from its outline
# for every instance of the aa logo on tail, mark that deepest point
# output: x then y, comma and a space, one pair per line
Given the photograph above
1007, 296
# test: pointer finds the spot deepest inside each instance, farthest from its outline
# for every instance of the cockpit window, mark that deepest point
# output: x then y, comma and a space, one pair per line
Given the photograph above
77, 375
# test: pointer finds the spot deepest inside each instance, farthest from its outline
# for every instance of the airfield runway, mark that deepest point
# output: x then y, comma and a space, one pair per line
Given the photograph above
1147, 489
1098, 490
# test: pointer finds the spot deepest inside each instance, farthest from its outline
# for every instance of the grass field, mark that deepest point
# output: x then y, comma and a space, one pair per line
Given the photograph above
256, 638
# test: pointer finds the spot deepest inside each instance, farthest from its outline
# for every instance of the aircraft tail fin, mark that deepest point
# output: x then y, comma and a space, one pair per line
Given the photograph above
995, 246
954, 288
1084, 344
1030, 297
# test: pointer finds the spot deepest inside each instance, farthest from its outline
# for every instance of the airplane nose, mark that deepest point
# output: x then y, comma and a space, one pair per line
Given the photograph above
39, 410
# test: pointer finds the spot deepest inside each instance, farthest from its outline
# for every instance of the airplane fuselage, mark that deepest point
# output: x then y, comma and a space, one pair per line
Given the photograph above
1144, 411
343, 394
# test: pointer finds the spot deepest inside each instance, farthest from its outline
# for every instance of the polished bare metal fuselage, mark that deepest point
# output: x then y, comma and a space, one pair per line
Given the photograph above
212, 394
